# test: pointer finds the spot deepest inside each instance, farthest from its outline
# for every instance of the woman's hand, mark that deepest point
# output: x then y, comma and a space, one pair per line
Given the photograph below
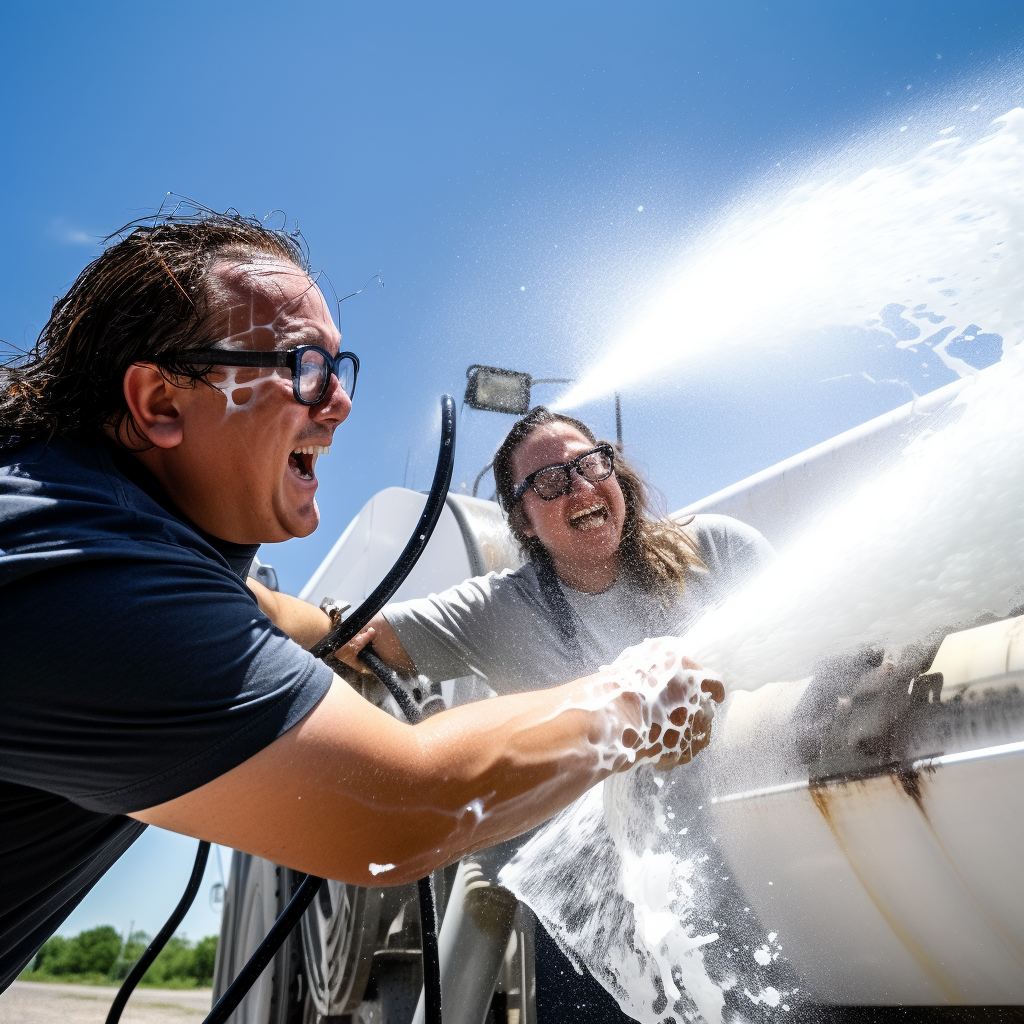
349, 654
385, 644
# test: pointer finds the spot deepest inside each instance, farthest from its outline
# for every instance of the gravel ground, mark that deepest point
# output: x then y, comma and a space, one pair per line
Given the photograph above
34, 1002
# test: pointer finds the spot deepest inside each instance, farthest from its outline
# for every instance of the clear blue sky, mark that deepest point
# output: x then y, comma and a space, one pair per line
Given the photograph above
489, 159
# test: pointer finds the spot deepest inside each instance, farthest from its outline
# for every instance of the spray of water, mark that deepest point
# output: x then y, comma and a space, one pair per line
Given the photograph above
942, 233
932, 539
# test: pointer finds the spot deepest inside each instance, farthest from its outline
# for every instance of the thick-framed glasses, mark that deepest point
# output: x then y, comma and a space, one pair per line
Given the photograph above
552, 482
311, 367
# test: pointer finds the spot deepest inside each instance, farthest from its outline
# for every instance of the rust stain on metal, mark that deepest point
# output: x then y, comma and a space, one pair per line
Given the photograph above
1002, 931
910, 781
822, 800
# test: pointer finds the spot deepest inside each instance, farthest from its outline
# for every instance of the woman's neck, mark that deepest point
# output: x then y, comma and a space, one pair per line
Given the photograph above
590, 579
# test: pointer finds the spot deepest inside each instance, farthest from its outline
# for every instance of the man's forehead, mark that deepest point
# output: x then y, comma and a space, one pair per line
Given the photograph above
269, 298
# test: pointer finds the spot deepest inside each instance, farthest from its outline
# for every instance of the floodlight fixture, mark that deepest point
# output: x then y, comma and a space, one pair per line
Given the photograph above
494, 389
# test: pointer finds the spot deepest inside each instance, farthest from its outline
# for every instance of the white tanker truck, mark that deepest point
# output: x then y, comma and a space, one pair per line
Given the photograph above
889, 861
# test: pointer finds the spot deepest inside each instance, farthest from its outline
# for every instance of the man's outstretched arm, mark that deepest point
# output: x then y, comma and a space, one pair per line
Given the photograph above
352, 794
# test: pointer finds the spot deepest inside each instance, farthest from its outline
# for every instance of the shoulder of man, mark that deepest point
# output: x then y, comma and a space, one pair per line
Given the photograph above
66, 501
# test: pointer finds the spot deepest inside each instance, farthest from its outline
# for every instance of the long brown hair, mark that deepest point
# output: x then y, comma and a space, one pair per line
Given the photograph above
143, 300
656, 552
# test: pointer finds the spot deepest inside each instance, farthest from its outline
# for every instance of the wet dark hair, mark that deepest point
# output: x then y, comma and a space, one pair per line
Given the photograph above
655, 551
143, 300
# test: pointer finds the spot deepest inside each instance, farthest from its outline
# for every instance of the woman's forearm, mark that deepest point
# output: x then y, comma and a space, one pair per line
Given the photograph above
303, 622
386, 646
308, 625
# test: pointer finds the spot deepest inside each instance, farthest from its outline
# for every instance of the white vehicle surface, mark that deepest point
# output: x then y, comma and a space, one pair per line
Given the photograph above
879, 829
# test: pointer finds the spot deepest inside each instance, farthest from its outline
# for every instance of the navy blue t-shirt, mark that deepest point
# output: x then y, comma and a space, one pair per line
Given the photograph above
135, 666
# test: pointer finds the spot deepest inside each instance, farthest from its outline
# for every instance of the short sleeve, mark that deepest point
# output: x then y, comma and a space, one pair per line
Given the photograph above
433, 630
128, 683
732, 551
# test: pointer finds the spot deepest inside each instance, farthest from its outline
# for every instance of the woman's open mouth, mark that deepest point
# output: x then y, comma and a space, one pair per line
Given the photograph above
302, 461
589, 518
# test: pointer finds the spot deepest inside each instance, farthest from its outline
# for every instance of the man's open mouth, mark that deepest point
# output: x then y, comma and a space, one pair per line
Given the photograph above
588, 518
302, 461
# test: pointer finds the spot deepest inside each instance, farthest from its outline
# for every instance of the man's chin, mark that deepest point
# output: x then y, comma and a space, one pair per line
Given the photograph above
307, 520
300, 522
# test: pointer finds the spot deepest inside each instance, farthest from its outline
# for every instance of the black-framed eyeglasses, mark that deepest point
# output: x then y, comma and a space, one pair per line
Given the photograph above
552, 482
311, 367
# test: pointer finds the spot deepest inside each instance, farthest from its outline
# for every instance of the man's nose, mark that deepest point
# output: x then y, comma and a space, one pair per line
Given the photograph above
336, 404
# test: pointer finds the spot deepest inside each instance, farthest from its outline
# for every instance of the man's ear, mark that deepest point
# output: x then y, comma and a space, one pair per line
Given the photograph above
155, 405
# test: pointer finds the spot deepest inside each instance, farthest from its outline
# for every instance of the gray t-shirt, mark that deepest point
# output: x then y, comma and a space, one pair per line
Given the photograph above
500, 627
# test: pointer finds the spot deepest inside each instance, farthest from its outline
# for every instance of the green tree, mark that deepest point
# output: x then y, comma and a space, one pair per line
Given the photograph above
180, 964
90, 952
203, 959
133, 948
52, 952
99, 954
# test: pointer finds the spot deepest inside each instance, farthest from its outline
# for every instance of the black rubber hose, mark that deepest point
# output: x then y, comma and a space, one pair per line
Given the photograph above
143, 963
431, 957
228, 1003
393, 681
385, 590
428, 914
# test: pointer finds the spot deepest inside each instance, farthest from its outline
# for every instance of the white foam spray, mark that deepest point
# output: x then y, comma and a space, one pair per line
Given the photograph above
932, 539
667, 713
942, 233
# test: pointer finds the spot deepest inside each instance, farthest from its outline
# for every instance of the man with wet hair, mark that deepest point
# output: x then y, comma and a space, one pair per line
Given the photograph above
168, 421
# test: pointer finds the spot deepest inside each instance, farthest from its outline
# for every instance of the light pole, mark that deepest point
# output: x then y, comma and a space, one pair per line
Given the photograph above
495, 389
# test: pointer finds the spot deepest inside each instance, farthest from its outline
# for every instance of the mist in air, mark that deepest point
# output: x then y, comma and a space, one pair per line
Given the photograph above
939, 232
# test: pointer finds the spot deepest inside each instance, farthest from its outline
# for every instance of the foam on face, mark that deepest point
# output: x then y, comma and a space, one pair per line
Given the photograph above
259, 323
241, 385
